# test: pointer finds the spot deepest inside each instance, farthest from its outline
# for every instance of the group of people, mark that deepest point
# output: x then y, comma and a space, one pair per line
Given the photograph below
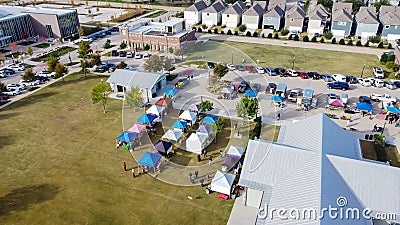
195, 175
393, 117
140, 169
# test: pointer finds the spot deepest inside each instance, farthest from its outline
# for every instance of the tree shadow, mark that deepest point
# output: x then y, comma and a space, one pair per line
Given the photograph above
37, 97
4, 141
8, 115
21, 198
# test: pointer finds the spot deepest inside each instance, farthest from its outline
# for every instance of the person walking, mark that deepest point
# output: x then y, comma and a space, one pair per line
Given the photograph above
124, 165
221, 154
196, 174
133, 172
198, 158
375, 128
190, 177
208, 177
205, 153
209, 160
278, 117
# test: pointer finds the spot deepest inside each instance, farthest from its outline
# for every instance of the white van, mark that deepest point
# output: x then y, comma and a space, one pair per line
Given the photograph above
339, 77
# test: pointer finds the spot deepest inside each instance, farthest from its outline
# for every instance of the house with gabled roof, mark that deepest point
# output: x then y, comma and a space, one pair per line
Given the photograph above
389, 17
294, 19
192, 14
212, 15
342, 19
232, 16
273, 18
317, 20
365, 22
253, 17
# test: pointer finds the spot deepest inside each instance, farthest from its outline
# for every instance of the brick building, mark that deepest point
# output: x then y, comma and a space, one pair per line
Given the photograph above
158, 36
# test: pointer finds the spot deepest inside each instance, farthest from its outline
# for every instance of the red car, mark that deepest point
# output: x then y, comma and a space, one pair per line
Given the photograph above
251, 69
303, 75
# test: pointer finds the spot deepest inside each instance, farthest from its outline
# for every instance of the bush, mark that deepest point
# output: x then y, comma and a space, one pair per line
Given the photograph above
122, 45
290, 37
358, 43
204, 26
333, 41
375, 39
390, 46
209, 31
380, 45
236, 33
314, 39
242, 28
350, 42
366, 44
276, 36
341, 42
296, 37
306, 39
262, 35
248, 34
284, 32
199, 30
215, 31
229, 32
146, 47
391, 58
392, 66
328, 35
384, 58
269, 35
222, 32
255, 34
322, 40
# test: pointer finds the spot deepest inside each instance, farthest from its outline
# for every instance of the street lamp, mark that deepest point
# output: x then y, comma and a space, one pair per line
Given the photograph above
232, 57
362, 72
209, 76
147, 94
294, 58
104, 96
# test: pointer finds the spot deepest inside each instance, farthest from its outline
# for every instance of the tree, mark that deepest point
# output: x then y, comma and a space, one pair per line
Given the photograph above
384, 58
314, 39
358, 43
341, 42
306, 39
217, 127
215, 31
29, 50
322, 40
167, 64
306, 5
206, 106
366, 44
146, 47
269, 35
84, 49
356, 4
28, 75
284, 32
326, 3
95, 59
171, 50
247, 107
381, 3
153, 64
134, 98
236, 33
107, 44
52, 62
122, 65
296, 37
375, 39
392, 66
122, 45
242, 28
390, 46
60, 71
2, 87
333, 41
199, 30
229, 32
99, 94
81, 32
84, 66
391, 58
380, 45
220, 70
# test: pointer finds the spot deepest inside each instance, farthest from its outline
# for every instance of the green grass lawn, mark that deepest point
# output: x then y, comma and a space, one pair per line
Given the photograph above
159, 13
58, 53
42, 45
59, 165
373, 151
26, 43
322, 61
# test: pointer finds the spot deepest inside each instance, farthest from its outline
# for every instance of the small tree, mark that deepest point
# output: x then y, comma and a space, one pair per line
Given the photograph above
306, 39
384, 58
284, 32
229, 32
390, 46
122, 45
242, 28
84, 49
146, 47
28, 75
269, 35
107, 44
247, 107
341, 42
96, 59
322, 40
167, 64
217, 127
350, 42
84, 66
2, 87
29, 50
328, 35
290, 37
81, 31
122, 65
380, 45
60, 71
366, 44
248, 34
358, 43
199, 30
222, 32
89, 11
206, 106
392, 66
153, 64
99, 94
220, 70
209, 31
134, 98
215, 31
314, 39
204, 26
255, 34
171, 50
52, 62
391, 58
375, 39
333, 41
296, 37
236, 33
276, 35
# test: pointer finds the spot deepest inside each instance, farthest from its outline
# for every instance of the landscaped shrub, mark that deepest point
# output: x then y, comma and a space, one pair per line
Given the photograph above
215, 31
314, 39
333, 41
146, 47
204, 26
290, 37
222, 32
384, 58
284, 32
269, 35
248, 34
199, 30
296, 37
242, 28
328, 35
392, 66
390, 46
236, 33
375, 39
350, 42
306, 39
229, 32
276, 36
341, 42
263, 35
358, 43
255, 34
209, 31
380, 45
322, 40
391, 58
366, 44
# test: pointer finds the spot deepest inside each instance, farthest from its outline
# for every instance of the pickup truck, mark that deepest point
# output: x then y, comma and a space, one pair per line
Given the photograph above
12, 91
383, 97
293, 95
378, 72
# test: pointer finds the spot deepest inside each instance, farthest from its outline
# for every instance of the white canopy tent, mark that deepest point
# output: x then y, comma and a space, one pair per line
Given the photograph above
188, 116
155, 110
173, 135
196, 142
222, 182
235, 151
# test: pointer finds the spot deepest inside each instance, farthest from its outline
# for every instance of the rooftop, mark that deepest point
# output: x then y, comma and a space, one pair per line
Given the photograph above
14, 11
157, 29
134, 78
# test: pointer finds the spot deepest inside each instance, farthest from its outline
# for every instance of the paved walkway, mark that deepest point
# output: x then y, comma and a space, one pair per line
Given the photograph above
297, 44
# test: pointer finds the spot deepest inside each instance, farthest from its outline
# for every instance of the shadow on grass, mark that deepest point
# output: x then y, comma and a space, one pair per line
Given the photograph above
75, 78
4, 141
21, 198
37, 97
8, 115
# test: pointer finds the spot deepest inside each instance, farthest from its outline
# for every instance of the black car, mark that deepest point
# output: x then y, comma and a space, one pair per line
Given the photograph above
241, 67
114, 53
351, 80
338, 85
314, 75
211, 65
42, 79
122, 54
397, 83
108, 32
114, 29
364, 99
8, 71
279, 71
106, 67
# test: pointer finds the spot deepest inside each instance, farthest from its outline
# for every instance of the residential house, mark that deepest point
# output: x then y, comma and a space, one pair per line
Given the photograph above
306, 178
192, 14
294, 19
317, 20
389, 17
232, 16
365, 22
253, 17
274, 17
212, 15
263, 4
342, 19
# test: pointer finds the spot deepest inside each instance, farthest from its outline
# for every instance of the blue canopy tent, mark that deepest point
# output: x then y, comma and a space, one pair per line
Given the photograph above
126, 136
179, 124
146, 119
170, 92
276, 98
150, 159
364, 106
210, 119
251, 93
392, 109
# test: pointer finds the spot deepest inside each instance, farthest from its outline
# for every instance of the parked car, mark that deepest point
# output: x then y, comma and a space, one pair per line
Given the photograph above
46, 73
338, 85
339, 77
251, 69
390, 85
211, 65
20, 86
271, 88
138, 56
292, 73
326, 77
271, 71
303, 75
351, 79
364, 82
383, 97
314, 75
12, 91
280, 71
8, 71
3, 97
365, 99
114, 29
293, 94
146, 55
397, 83
114, 53
106, 67
244, 85
240, 67
332, 96
231, 66
30, 83
345, 98
122, 54
17, 67
255, 86
379, 83
260, 70
378, 72
130, 55
182, 82
42, 79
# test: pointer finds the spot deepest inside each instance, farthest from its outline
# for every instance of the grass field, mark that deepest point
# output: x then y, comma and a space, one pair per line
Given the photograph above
59, 165
42, 45
322, 61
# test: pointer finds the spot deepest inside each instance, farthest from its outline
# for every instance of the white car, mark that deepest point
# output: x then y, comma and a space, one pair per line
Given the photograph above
260, 70
292, 73
231, 66
379, 83
146, 55
364, 82
83, 39
46, 73
378, 72
138, 56
18, 67
383, 97
20, 86
129, 55
339, 77
12, 91
390, 85
30, 83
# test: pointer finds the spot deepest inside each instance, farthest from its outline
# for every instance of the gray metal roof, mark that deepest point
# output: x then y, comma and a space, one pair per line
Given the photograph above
342, 12
280, 3
255, 10
389, 15
319, 13
218, 6
134, 78
235, 9
263, 4
367, 15
275, 12
296, 12
197, 6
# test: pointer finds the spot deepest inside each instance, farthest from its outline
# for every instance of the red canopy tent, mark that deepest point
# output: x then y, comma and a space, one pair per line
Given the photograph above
164, 102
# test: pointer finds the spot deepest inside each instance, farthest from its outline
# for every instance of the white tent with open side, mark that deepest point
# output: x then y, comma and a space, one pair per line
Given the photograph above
234, 151
173, 135
222, 182
155, 110
188, 116
196, 142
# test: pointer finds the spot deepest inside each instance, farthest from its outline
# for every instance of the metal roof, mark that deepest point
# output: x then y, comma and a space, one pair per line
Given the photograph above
256, 10
197, 6
296, 12
16, 11
390, 15
367, 15
134, 78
